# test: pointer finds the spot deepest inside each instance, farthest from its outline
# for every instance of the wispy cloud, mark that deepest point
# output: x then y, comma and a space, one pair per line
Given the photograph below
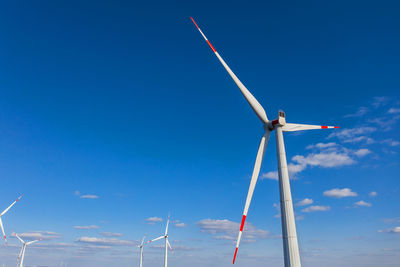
353, 135
395, 230
394, 110
340, 193
86, 227
360, 112
43, 235
228, 230
362, 152
104, 241
89, 196
110, 234
153, 220
372, 194
362, 203
316, 208
327, 159
305, 202
85, 196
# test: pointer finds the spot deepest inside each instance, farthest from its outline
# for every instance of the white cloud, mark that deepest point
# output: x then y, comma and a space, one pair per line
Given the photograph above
327, 160
322, 145
178, 223
394, 110
354, 134
395, 230
391, 142
103, 241
339, 193
362, 152
305, 202
362, 203
86, 227
316, 208
372, 194
43, 235
110, 234
89, 196
228, 230
153, 220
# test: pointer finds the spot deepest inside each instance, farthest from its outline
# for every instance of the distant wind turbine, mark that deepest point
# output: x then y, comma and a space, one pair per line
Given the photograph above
141, 252
22, 253
167, 244
4, 212
289, 235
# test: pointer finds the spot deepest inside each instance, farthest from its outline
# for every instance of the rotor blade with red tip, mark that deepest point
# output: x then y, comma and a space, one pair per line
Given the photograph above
255, 105
292, 127
4, 212
155, 239
254, 177
169, 245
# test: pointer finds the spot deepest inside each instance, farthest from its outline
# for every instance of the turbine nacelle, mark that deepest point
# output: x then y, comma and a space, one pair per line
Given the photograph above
280, 121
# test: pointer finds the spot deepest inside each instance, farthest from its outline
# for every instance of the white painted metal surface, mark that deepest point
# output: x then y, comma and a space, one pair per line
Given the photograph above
290, 244
167, 244
289, 235
22, 253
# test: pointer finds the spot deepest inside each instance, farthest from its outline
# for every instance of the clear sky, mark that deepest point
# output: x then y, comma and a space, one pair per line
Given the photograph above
115, 113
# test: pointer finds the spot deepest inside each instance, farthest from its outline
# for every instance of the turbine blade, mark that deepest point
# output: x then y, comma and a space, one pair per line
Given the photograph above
254, 177
142, 241
166, 228
20, 239
255, 105
4, 212
31, 242
155, 239
2, 230
169, 245
292, 127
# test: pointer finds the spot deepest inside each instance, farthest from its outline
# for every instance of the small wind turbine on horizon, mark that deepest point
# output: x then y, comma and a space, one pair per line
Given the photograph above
4, 212
167, 244
141, 252
22, 253
289, 235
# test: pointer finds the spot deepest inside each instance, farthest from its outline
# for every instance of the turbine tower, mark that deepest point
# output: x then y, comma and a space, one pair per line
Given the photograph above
141, 252
4, 212
22, 253
289, 235
167, 244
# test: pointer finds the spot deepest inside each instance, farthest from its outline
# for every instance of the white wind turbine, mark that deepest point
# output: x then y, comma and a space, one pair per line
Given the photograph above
289, 236
167, 244
141, 252
4, 212
22, 253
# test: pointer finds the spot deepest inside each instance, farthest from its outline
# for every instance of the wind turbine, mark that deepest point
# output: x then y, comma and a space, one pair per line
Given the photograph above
22, 253
167, 244
4, 212
289, 235
141, 252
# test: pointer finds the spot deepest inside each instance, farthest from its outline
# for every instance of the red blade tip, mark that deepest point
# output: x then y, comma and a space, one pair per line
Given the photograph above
194, 22
234, 257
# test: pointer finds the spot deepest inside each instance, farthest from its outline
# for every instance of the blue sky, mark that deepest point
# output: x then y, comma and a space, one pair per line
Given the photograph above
112, 113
